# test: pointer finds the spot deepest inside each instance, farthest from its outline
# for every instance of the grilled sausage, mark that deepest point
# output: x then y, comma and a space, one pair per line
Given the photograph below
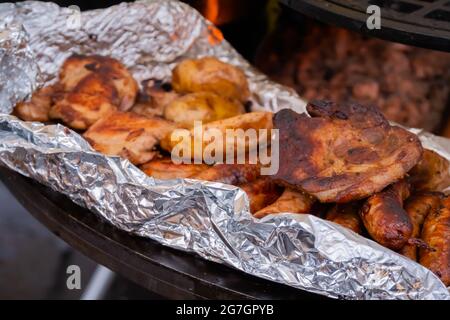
436, 234
384, 217
418, 206
347, 215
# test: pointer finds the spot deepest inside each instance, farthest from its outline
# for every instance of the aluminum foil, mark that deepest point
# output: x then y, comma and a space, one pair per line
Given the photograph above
207, 218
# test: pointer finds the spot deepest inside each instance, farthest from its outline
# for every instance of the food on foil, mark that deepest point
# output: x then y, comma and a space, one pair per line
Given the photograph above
37, 109
212, 75
108, 71
154, 97
261, 193
343, 152
431, 173
339, 154
129, 135
201, 106
94, 86
436, 234
164, 169
289, 201
418, 206
235, 174
384, 217
255, 120
346, 215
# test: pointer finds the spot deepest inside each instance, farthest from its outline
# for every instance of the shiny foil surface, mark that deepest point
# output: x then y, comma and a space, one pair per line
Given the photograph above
210, 219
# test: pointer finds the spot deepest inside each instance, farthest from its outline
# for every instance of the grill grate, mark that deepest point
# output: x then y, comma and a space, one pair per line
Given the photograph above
423, 23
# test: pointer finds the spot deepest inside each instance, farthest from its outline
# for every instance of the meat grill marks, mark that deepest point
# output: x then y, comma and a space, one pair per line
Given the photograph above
343, 152
128, 135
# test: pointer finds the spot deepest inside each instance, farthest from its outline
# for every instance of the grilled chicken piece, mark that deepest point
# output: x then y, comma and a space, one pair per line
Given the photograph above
436, 234
213, 75
253, 120
110, 71
165, 169
344, 152
38, 107
95, 86
290, 201
261, 192
201, 106
92, 99
128, 135
235, 174
347, 215
418, 206
385, 219
432, 173
153, 99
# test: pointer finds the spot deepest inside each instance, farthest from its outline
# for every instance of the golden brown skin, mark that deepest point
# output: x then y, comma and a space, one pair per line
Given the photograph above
436, 234
384, 217
432, 173
91, 99
261, 192
347, 215
128, 135
235, 174
344, 152
38, 107
254, 120
418, 206
153, 99
164, 168
290, 201
213, 75
201, 106
110, 70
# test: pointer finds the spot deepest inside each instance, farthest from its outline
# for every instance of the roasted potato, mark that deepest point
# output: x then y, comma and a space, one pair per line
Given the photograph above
213, 75
201, 106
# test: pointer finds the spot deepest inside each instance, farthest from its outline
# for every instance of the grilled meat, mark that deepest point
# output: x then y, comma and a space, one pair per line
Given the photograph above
344, 152
128, 135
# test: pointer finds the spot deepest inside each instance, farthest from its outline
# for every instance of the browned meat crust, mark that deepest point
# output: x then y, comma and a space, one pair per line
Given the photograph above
344, 152
384, 217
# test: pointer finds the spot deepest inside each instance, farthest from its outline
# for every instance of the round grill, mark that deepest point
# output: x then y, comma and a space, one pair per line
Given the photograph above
422, 23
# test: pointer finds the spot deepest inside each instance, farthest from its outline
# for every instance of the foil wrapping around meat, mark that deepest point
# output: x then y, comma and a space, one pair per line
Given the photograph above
207, 218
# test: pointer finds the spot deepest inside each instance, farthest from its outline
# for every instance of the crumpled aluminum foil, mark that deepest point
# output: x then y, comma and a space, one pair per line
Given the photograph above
210, 219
